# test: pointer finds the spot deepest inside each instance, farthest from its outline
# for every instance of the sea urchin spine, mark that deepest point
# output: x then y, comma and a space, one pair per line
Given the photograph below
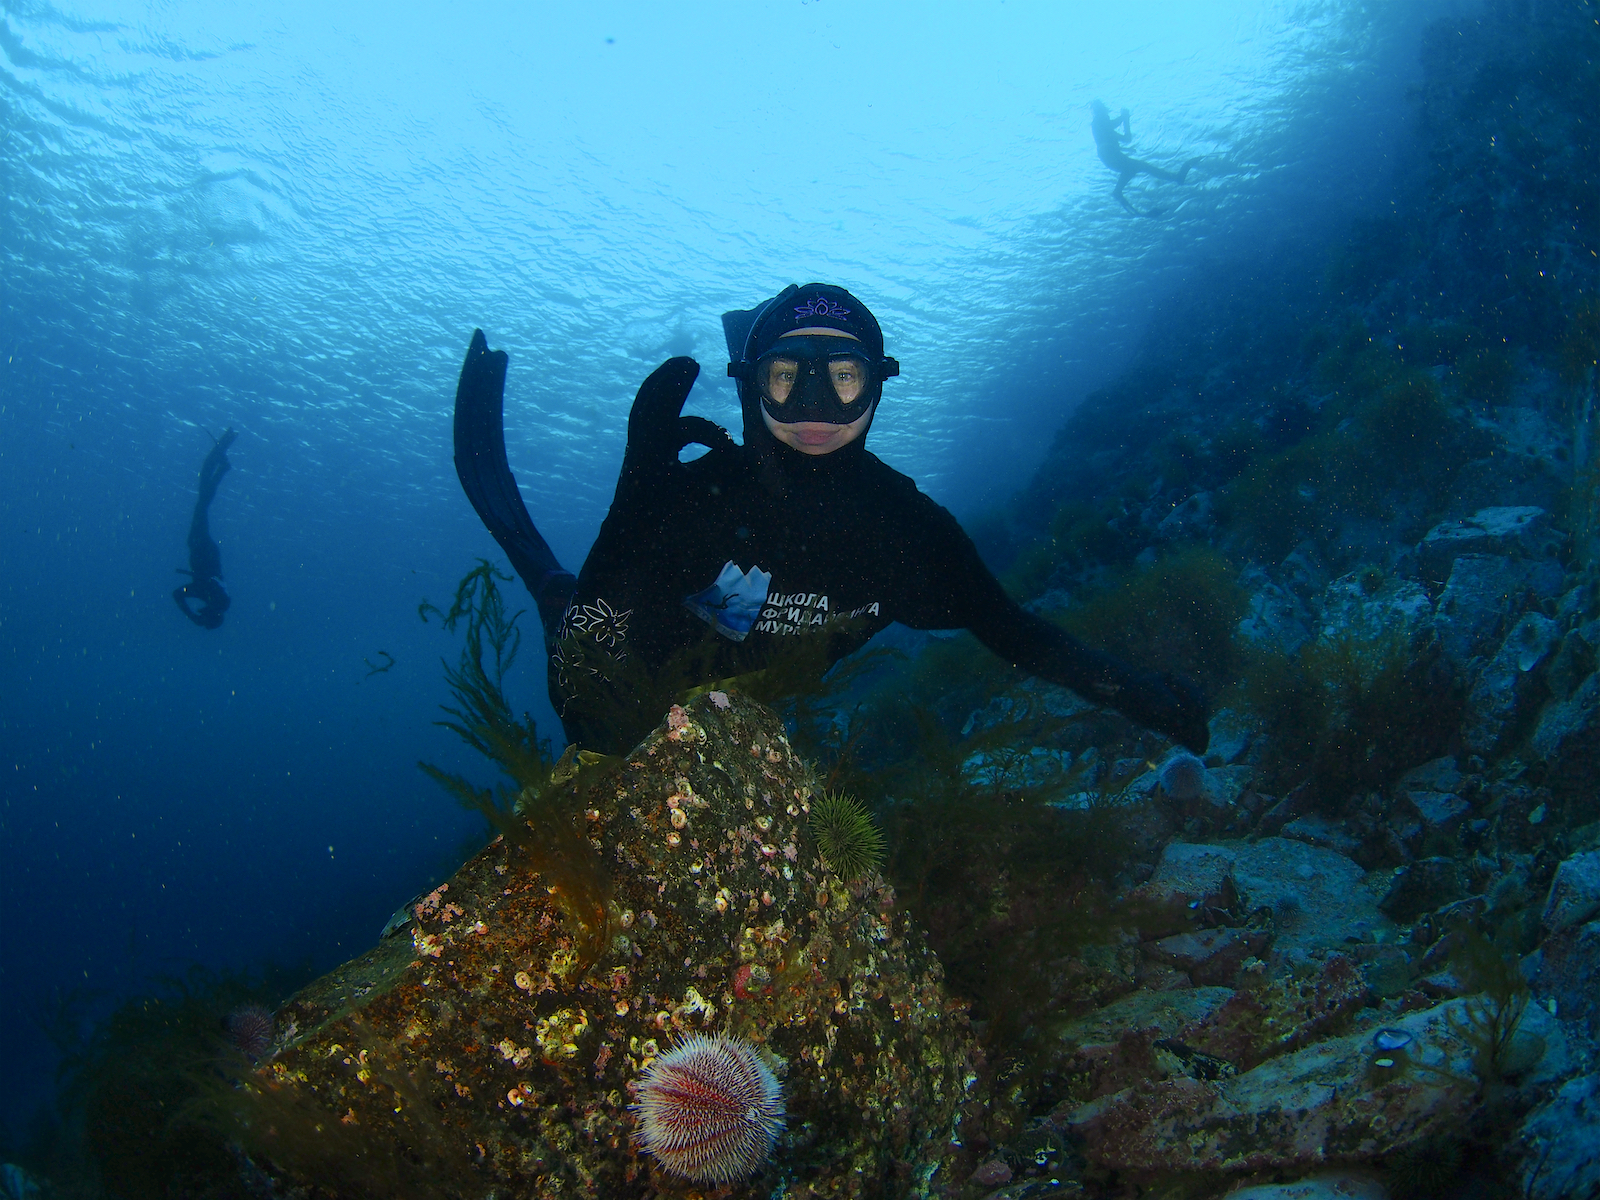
709, 1109
849, 841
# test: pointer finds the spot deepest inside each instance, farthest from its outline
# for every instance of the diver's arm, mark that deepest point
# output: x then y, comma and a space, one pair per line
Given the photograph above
1162, 701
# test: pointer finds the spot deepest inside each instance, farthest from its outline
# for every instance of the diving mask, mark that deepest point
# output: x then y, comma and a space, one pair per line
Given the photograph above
816, 378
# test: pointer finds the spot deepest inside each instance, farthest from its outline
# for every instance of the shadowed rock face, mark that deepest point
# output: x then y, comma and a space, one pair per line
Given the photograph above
471, 1056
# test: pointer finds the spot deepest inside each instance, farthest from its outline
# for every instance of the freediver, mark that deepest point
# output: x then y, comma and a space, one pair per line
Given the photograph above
799, 530
1108, 138
205, 557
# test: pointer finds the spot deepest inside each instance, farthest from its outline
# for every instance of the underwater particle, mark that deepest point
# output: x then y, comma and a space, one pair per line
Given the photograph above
250, 1029
847, 837
1182, 776
710, 1109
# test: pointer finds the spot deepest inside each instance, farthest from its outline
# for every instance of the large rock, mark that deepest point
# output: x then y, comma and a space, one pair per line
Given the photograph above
1398, 607
1332, 1101
1318, 897
1505, 687
477, 1056
1567, 741
1574, 892
1565, 975
1559, 1141
1482, 594
1277, 619
1522, 531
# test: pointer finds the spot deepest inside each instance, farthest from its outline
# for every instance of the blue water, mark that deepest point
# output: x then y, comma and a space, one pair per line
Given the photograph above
290, 219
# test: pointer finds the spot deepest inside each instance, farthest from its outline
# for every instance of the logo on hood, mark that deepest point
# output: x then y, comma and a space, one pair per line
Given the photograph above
820, 306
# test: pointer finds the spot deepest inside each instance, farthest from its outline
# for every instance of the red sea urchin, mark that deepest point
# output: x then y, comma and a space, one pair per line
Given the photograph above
709, 1109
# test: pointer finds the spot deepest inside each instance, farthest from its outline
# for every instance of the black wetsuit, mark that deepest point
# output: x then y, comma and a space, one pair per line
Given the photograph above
205, 556
848, 543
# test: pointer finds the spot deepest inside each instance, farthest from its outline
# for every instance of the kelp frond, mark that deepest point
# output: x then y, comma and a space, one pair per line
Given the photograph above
540, 814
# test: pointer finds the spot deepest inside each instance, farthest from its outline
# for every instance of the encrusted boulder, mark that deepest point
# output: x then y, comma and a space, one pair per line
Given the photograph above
478, 1053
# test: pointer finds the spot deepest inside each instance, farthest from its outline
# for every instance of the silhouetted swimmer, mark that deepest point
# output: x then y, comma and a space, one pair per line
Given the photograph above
1108, 138
205, 556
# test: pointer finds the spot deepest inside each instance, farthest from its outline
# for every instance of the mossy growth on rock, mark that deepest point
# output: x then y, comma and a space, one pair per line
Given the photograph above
1081, 536
1383, 427
1352, 711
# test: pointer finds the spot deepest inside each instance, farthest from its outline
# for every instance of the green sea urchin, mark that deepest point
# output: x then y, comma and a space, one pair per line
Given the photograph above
850, 842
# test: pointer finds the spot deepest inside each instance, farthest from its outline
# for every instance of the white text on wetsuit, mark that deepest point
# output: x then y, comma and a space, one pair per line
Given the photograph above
800, 612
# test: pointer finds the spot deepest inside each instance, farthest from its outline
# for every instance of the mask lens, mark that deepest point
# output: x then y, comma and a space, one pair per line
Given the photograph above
848, 375
778, 376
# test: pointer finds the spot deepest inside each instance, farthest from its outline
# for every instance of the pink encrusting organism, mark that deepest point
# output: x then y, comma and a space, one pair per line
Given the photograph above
710, 1109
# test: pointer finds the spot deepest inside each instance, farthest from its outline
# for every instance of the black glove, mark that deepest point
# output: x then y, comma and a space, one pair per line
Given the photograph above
657, 431
1169, 704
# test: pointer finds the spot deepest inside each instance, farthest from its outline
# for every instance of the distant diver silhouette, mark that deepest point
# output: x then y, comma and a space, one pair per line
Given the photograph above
1108, 138
205, 557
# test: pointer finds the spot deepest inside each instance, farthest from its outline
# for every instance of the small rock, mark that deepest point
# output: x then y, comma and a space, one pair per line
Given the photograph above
1574, 892
1440, 775
1212, 957
1284, 1114
1277, 619
1398, 607
1565, 975
1325, 1185
1224, 785
1232, 734
1317, 830
1295, 804
1441, 812
992, 1174
1191, 877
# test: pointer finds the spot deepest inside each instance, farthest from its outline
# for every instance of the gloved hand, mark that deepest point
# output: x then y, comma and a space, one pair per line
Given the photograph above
1167, 703
657, 431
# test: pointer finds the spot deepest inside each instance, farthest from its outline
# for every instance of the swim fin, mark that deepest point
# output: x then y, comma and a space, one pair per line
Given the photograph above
485, 474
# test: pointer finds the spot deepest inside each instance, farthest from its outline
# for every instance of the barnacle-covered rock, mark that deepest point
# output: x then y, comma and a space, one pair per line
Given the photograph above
479, 1056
